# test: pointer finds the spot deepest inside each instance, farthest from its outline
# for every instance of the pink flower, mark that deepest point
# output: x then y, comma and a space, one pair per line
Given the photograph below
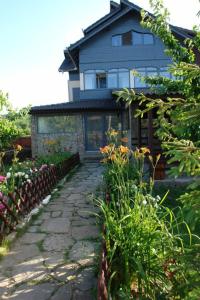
2, 178
2, 207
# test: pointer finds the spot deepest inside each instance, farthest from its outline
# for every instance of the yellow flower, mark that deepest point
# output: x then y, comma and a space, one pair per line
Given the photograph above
144, 150
123, 150
105, 150
113, 132
124, 140
113, 157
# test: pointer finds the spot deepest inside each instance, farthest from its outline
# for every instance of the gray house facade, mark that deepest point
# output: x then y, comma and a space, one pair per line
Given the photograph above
100, 63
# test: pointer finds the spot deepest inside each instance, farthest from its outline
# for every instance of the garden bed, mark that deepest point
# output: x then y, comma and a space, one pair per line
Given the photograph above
17, 204
150, 246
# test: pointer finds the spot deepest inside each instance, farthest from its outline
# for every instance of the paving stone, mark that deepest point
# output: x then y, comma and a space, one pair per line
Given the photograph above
19, 254
28, 270
85, 280
85, 232
82, 250
54, 207
65, 222
32, 238
45, 216
66, 272
33, 229
56, 225
86, 214
56, 214
81, 222
38, 222
74, 197
57, 242
52, 259
63, 293
86, 295
27, 292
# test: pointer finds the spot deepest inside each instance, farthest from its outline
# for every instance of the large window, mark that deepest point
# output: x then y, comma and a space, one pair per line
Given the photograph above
132, 38
147, 71
57, 124
164, 71
150, 72
90, 80
120, 78
95, 79
99, 79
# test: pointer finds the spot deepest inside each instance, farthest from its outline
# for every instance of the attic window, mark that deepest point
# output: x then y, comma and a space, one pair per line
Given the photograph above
127, 38
132, 38
117, 40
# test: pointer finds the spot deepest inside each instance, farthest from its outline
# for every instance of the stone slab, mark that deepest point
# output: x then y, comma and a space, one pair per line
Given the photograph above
85, 232
32, 238
57, 242
56, 225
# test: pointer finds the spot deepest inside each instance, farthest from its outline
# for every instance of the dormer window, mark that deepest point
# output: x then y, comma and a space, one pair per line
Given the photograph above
117, 40
132, 38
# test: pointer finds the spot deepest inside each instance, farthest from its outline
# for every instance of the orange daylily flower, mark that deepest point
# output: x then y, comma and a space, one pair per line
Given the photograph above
105, 150
18, 147
123, 150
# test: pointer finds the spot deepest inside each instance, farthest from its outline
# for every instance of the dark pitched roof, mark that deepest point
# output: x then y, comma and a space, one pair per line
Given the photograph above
119, 10
78, 106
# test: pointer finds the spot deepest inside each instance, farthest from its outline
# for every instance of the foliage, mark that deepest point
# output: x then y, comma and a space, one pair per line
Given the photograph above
178, 118
12, 123
149, 246
53, 158
21, 119
178, 115
8, 131
14, 176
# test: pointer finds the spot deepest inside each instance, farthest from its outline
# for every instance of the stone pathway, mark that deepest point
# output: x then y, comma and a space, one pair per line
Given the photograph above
56, 258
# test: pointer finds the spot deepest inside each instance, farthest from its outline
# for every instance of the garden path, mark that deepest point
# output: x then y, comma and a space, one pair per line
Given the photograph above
56, 258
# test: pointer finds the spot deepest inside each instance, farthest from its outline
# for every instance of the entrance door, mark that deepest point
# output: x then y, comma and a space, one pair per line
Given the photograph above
94, 126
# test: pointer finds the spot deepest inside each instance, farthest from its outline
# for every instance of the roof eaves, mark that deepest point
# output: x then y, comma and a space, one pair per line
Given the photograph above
85, 38
103, 19
176, 29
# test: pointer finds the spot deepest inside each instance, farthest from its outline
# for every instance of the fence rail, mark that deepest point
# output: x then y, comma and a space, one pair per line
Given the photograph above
15, 206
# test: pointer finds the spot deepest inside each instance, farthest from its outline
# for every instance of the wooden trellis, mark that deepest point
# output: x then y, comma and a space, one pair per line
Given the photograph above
15, 206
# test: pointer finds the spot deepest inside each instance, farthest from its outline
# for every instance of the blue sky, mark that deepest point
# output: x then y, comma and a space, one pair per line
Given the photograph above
33, 34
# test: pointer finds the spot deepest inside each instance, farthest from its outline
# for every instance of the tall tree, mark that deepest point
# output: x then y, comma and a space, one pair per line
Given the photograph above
178, 118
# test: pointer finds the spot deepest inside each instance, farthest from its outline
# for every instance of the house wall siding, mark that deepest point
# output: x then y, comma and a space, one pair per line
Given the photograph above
74, 75
98, 53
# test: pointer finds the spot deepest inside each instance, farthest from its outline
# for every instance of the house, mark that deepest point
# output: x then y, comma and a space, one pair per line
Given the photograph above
98, 64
